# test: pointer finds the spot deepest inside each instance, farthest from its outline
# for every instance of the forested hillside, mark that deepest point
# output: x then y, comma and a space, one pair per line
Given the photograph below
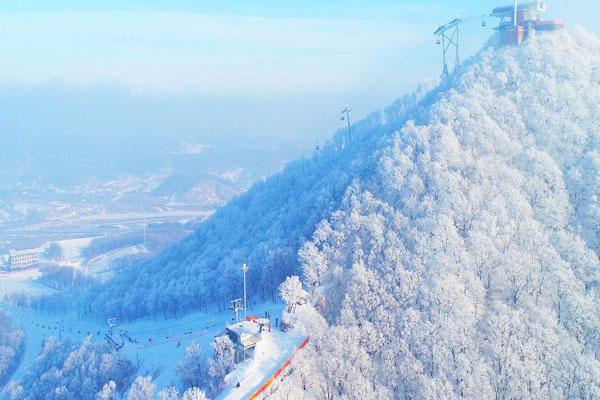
264, 227
452, 245
465, 265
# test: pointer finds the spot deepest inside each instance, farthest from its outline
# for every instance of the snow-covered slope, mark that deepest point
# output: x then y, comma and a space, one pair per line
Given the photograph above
466, 264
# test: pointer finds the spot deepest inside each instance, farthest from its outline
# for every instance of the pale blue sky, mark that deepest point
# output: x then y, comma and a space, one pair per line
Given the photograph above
325, 50
232, 47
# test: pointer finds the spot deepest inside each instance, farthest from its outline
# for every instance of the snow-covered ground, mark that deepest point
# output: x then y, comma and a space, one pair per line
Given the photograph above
274, 348
161, 343
21, 281
102, 264
72, 248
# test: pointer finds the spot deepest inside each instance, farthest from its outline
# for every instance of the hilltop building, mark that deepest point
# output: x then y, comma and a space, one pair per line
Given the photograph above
522, 20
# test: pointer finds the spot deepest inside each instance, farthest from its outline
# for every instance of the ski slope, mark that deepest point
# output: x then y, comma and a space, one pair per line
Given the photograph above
161, 342
274, 348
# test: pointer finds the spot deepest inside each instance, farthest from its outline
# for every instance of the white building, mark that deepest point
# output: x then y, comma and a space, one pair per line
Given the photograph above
19, 259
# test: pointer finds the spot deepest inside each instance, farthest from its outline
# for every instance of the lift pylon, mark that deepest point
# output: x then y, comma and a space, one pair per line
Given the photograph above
449, 39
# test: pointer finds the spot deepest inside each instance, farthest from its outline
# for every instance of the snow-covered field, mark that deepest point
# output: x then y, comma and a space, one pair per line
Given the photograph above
161, 343
102, 264
72, 248
21, 281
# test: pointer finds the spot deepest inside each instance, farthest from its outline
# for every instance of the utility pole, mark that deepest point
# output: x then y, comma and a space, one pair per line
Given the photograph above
244, 270
515, 16
346, 117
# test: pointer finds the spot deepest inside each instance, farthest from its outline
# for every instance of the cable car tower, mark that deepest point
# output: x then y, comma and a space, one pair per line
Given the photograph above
448, 38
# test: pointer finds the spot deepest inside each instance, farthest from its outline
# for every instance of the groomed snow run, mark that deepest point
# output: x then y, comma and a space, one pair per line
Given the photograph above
272, 351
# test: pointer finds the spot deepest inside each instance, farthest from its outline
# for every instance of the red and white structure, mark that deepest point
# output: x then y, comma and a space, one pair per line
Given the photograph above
521, 20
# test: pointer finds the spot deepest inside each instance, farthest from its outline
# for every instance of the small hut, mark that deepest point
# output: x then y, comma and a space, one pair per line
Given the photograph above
244, 335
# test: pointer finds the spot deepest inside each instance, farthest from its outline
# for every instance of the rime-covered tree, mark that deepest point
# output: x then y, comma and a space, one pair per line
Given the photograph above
194, 394
291, 292
223, 360
193, 368
169, 394
108, 392
142, 389
79, 371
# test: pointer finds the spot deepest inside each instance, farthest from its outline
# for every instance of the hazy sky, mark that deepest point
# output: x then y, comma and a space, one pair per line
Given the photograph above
313, 51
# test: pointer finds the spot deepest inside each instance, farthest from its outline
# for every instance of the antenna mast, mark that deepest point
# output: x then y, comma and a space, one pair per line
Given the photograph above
449, 37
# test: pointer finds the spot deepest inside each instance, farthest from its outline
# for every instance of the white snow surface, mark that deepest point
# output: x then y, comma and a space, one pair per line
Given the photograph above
270, 353
169, 338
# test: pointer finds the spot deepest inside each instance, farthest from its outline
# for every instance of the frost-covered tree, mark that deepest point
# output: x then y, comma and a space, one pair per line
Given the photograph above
193, 369
291, 292
194, 394
108, 392
87, 370
14, 391
223, 360
142, 389
169, 394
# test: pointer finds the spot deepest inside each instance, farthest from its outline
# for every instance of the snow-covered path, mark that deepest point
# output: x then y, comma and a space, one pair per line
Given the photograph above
274, 348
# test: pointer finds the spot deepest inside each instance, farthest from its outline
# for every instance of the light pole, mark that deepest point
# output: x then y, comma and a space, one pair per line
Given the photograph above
244, 270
